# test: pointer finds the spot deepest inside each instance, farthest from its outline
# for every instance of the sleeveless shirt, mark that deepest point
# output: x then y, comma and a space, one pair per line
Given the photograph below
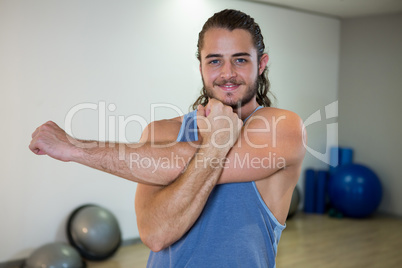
235, 228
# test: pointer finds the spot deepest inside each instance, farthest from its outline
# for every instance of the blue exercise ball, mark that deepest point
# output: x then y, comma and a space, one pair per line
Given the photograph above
355, 190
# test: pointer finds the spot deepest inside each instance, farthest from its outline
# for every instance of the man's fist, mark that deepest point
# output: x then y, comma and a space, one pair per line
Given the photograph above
49, 139
218, 125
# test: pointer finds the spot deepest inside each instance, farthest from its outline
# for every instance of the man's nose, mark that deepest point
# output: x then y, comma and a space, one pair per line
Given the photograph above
228, 71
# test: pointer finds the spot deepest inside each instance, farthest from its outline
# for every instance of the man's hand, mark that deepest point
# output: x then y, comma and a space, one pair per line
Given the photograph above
218, 125
49, 139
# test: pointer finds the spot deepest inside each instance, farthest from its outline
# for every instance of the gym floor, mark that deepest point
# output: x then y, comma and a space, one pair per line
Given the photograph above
313, 241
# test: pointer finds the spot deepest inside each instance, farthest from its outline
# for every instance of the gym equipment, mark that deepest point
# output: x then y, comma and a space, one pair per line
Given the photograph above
309, 191
346, 156
94, 232
294, 203
340, 156
355, 190
55, 255
321, 192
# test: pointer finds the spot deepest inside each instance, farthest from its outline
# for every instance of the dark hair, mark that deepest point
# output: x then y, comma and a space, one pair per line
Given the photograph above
233, 19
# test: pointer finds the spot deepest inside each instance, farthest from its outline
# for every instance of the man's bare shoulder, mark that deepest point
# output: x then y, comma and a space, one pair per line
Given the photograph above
271, 113
271, 137
169, 125
165, 130
277, 121
285, 130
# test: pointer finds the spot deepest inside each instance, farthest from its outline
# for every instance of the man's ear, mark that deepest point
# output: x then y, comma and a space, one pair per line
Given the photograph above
200, 68
263, 63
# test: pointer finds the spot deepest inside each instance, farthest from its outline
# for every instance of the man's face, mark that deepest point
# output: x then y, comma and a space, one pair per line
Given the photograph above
229, 66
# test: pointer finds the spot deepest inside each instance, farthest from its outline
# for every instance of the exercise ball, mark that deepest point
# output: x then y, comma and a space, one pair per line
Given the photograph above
294, 203
94, 232
54, 255
355, 190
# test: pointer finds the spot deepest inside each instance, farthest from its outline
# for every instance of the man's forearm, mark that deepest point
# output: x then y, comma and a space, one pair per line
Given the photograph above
165, 214
171, 212
148, 163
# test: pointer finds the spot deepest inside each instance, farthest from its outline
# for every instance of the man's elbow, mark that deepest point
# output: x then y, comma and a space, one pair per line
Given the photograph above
154, 244
153, 241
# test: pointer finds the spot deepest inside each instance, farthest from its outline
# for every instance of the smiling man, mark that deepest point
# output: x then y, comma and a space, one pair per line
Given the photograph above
235, 217
232, 65
225, 203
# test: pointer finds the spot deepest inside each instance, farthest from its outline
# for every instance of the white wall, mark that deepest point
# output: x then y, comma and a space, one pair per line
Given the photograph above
370, 99
55, 55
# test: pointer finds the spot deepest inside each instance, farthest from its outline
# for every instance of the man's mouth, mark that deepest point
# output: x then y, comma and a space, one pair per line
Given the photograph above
229, 86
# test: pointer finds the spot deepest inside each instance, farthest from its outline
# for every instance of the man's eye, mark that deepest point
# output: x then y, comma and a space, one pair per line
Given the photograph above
214, 62
241, 60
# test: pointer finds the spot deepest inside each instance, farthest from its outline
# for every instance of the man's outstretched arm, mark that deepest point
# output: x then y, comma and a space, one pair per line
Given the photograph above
140, 162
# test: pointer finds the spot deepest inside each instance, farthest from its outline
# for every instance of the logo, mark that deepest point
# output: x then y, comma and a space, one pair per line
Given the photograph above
330, 112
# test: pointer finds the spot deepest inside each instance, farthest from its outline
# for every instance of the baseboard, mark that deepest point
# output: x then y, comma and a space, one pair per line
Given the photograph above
128, 242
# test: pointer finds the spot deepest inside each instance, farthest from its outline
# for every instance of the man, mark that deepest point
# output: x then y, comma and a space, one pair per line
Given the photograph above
226, 203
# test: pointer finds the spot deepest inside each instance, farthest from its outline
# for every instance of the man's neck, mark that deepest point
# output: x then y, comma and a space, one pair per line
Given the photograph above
247, 109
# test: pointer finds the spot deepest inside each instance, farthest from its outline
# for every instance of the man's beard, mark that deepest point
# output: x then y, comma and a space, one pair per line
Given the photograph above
249, 95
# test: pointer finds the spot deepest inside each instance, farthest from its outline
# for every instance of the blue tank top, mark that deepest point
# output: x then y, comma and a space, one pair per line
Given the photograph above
235, 229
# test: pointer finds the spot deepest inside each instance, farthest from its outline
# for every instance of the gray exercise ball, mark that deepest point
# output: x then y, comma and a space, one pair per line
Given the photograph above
94, 232
294, 203
54, 255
